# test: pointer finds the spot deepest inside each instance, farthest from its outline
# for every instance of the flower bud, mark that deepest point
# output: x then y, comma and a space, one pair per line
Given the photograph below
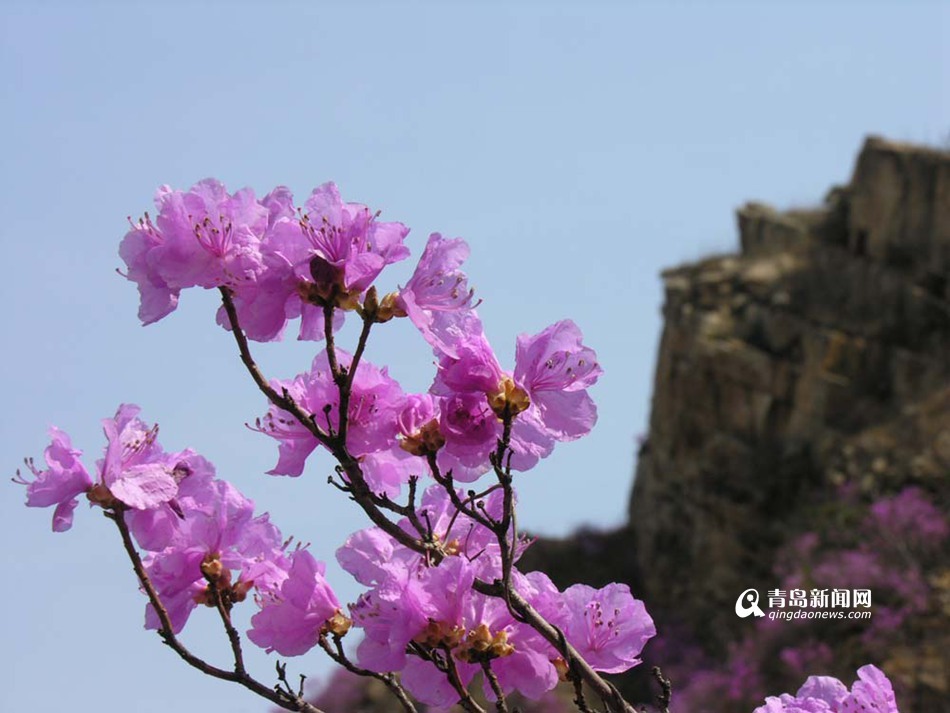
427, 440
211, 567
371, 304
338, 624
389, 308
100, 495
482, 645
509, 399
239, 591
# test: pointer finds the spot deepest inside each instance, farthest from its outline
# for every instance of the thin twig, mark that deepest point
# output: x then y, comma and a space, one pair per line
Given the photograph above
465, 698
448, 485
346, 382
666, 690
283, 401
360, 491
233, 636
389, 680
501, 701
331, 347
579, 699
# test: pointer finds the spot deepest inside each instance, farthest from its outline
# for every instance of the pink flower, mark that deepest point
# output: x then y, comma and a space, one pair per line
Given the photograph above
546, 397
435, 609
330, 255
155, 528
607, 626
64, 479
134, 471
211, 238
156, 298
872, 692
823, 694
437, 298
376, 400
204, 237
348, 237
292, 618
218, 534
556, 369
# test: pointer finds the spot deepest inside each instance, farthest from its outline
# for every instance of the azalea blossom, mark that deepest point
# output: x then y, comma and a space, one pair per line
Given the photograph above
546, 397
437, 298
293, 617
375, 403
134, 470
218, 535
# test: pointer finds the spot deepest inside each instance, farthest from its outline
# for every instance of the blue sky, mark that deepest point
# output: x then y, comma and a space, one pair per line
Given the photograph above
579, 148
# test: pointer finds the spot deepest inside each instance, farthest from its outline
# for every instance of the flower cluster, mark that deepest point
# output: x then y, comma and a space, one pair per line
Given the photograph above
203, 542
421, 612
280, 262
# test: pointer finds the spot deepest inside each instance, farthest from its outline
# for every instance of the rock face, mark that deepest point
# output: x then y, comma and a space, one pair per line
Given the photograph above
828, 322
814, 361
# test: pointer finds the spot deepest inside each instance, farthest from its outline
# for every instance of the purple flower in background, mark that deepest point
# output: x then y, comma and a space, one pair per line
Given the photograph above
872, 693
910, 518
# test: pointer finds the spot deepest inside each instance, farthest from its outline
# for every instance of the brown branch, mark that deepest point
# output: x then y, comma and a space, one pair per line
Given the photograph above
279, 697
283, 401
331, 347
666, 690
360, 491
233, 636
448, 485
579, 699
465, 698
388, 679
346, 383
501, 701
530, 615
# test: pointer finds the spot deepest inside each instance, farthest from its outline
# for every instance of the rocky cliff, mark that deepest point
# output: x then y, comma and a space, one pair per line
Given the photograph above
806, 376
